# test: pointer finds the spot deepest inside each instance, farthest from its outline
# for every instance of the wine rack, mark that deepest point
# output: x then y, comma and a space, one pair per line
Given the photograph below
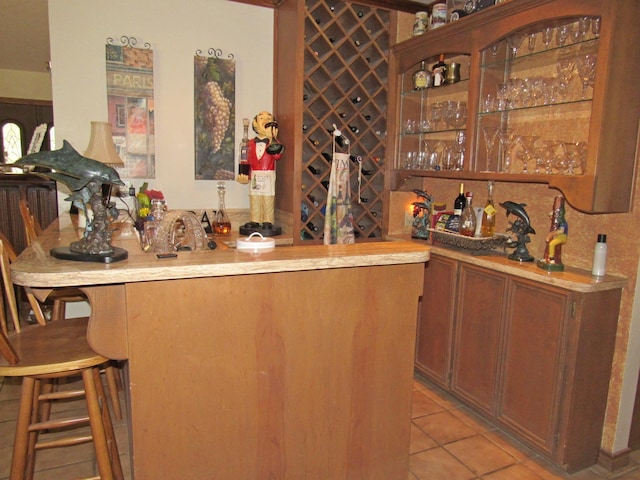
345, 84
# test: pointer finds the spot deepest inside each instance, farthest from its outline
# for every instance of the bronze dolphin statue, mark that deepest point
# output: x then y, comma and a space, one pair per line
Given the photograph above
71, 168
518, 210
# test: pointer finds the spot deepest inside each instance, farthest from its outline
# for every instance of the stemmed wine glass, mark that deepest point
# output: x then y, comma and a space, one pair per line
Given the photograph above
515, 42
528, 145
506, 138
586, 65
489, 139
547, 34
565, 67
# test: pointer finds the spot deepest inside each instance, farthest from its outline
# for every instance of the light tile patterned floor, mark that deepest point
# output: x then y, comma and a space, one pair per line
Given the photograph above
448, 442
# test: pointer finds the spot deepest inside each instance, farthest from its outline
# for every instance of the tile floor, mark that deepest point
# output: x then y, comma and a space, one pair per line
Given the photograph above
448, 442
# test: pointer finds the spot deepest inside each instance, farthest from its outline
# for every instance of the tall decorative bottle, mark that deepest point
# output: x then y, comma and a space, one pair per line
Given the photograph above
222, 224
244, 169
488, 227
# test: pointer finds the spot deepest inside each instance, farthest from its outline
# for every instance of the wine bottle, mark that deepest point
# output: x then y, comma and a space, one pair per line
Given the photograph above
314, 141
313, 200
356, 99
354, 129
438, 70
312, 227
488, 227
342, 114
325, 184
367, 117
460, 202
357, 43
468, 221
420, 77
365, 172
313, 170
327, 157
244, 169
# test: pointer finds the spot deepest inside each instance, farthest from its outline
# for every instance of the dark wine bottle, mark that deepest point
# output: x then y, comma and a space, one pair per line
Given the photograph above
342, 114
460, 202
357, 43
354, 129
315, 142
360, 14
312, 227
313, 170
327, 157
356, 99
367, 117
325, 184
364, 199
313, 200
366, 172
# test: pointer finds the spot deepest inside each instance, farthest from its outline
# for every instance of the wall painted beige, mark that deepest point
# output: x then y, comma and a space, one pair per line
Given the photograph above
175, 30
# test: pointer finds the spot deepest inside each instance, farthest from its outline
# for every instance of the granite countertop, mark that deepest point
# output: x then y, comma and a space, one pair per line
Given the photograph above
35, 267
571, 278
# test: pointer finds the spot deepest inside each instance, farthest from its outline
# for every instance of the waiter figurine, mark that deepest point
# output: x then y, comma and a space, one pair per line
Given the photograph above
263, 151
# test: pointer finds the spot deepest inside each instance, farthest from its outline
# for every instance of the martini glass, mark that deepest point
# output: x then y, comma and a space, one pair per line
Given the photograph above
506, 138
528, 149
489, 139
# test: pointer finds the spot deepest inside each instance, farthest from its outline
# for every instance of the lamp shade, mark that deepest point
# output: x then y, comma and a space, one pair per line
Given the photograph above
101, 146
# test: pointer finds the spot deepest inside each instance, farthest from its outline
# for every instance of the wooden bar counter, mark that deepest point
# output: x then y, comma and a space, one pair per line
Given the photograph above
295, 363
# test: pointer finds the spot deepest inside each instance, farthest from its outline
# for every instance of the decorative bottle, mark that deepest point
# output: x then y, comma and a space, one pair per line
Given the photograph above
439, 70
222, 224
421, 77
600, 256
468, 222
243, 166
488, 227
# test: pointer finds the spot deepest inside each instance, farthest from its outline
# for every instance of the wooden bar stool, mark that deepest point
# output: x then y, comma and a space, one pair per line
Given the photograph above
41, 354
59, 298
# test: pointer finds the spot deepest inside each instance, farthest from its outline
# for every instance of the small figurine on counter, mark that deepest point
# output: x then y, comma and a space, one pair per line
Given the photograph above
421, 215
557, 236
263, 151
521, 227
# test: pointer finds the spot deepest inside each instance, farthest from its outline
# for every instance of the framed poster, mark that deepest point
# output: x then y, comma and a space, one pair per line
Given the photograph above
214, 111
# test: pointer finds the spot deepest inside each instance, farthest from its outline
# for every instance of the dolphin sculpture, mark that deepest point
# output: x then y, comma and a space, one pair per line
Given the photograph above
70, 168
84, 177
517, 209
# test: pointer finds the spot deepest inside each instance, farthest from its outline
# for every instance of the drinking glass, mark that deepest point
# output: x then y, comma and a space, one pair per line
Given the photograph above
584, 23
532, 42
565, 67
437, 111
562, 34
586, 65
526, 154
506, 138
457, 114
514, 42
489, 134
547, 35
448, 158
595, 26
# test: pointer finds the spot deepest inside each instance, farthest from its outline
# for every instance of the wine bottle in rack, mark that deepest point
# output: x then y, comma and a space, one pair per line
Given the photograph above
312, 227
313, 170
313, 141
354, 129
342, 114
325, 184
327, 157
366, 172
356, 99
357, 43
313, 200
367, 117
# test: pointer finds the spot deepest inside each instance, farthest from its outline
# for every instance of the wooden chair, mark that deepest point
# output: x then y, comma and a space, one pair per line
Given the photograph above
60, 297
40, 354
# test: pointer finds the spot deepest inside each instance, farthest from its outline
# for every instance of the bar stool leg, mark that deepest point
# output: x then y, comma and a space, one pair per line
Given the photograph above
19, 459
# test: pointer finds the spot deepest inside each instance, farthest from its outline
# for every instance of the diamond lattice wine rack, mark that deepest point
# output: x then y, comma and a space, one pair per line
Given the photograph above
345, 84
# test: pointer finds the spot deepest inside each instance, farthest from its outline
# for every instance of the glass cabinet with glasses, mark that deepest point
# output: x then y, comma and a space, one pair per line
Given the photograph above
548, 91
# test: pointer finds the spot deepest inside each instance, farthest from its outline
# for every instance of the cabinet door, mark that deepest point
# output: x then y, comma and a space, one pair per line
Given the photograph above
435, 320
533, 359
478, 321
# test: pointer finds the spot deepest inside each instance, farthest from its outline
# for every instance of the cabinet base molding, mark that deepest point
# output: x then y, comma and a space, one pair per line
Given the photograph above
614, 462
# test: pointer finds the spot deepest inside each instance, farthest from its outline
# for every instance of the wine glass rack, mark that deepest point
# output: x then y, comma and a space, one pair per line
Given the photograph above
345, 84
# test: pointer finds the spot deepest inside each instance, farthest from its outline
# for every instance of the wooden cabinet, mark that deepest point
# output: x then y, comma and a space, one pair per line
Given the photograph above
524, 84
533, 357
43, 200
331, 69
435, 320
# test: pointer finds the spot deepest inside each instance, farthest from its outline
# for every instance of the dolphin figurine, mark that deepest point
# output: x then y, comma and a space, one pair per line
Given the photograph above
518, 210
70, 168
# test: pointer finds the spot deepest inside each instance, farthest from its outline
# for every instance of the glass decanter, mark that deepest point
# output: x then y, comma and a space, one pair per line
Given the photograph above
221, 224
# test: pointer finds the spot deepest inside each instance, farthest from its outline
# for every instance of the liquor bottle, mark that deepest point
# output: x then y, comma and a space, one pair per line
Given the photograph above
420, 77
488, 227
460, 202
244, 168
222, 224
468, 222
438, 70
